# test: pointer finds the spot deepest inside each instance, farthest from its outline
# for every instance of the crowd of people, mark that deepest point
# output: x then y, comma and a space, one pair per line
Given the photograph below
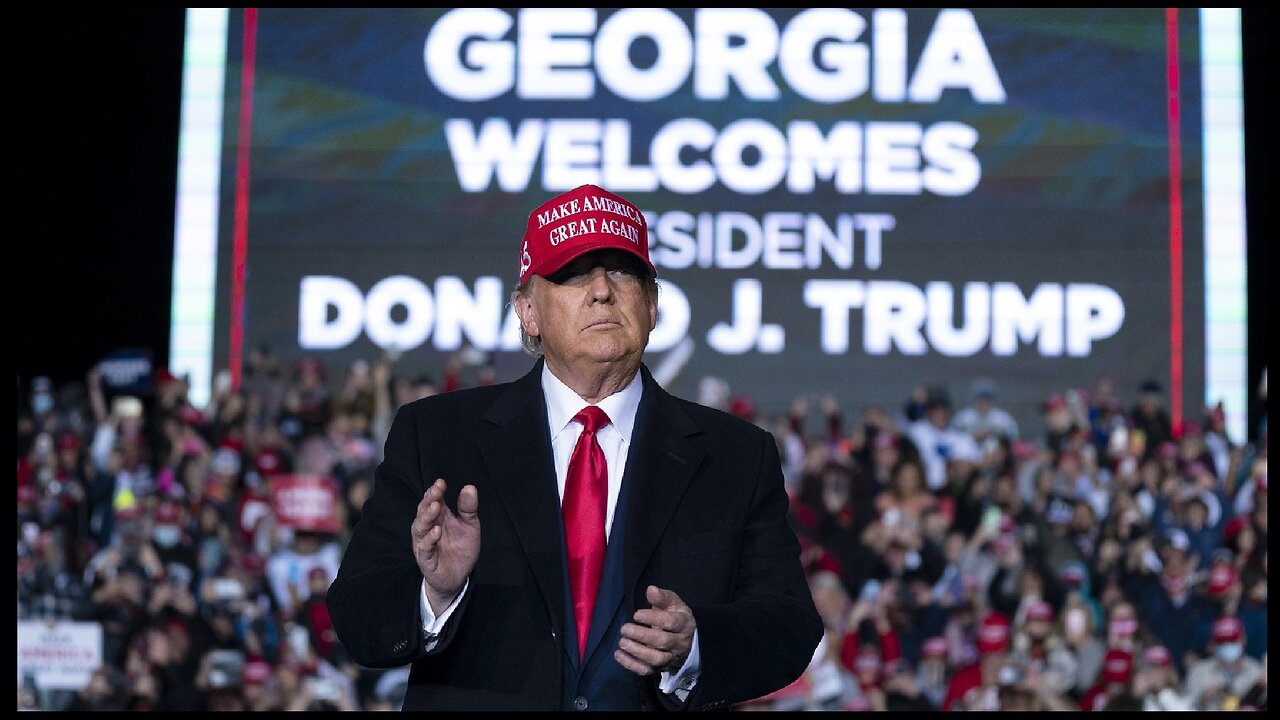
1105, 558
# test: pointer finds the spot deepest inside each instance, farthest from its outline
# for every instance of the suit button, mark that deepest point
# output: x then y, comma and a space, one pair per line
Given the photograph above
580, 703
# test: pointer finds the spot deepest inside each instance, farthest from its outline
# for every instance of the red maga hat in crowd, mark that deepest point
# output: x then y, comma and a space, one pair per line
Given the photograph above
1221, 577
256, 672
1117, 666
1040, 611
993, 633
935, 646
1233, 528
1158, 655
1227, 629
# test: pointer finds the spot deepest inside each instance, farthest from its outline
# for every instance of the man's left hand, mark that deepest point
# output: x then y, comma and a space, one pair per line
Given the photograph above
661, 637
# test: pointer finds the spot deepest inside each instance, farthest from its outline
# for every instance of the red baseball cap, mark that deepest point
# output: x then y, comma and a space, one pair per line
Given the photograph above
1072, 575
1117, 666
935, 646
1221, 578
256, 672
268, 462
742, 406
579, 221
1040, 611
1227, 629
1233, 528
993, 633
1158, 655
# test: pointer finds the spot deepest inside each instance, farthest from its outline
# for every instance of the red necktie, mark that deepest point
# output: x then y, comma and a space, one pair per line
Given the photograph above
585, 492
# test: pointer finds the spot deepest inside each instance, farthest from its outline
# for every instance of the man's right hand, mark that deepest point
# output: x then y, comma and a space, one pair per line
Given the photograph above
446, 544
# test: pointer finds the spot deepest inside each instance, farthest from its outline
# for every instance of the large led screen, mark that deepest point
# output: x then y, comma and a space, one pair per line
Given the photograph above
844, 201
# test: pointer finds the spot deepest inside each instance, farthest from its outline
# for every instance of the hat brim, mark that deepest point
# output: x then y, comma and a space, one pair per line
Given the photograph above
556, 261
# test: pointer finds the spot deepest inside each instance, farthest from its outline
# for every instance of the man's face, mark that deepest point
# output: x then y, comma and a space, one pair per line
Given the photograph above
596, 309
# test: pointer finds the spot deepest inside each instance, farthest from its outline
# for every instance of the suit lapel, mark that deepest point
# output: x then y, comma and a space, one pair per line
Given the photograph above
660, 465
517, 450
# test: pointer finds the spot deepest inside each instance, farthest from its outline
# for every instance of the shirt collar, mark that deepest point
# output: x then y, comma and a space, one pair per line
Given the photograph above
563, 403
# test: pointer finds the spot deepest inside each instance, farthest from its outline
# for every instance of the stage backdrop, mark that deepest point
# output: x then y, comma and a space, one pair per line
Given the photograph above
844, 201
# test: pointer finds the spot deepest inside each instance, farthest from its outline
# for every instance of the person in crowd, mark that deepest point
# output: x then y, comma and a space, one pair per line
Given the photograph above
1156, 682
1252, 480
984, 418
906, 499
154, 519
107, 690
1038, 649
1108, 422
1255, 698
1189, 435
937, 441
1160, 581
975, 686
1123, 628
1219, 681
48, 588
1218, 594
1150, 418
289, 570
932, 674
1081, 641
1113, 685
828, 682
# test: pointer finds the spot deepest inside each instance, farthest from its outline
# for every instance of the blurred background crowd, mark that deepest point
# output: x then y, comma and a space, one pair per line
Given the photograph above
1102, 558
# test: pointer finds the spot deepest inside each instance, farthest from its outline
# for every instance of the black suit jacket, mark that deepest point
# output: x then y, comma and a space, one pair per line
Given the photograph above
706, 518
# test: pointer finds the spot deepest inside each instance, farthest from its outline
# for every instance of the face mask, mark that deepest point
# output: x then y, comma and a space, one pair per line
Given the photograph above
1075, 622
1230, 652
166, 536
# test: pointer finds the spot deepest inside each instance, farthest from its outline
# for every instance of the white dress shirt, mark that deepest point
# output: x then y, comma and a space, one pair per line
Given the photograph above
615, 440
